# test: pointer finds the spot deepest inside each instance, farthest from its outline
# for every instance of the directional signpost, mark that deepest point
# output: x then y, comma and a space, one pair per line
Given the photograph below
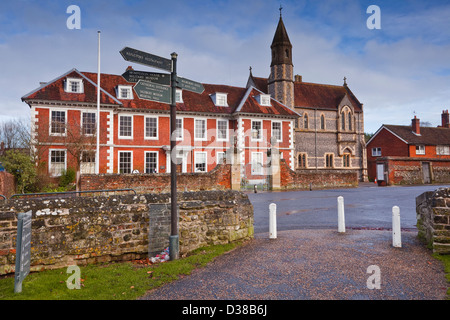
152, 91
23, 249
147, 59
135, 76
155, 87
190, 85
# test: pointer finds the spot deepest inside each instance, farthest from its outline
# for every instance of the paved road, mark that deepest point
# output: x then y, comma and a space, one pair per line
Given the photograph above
317, 264
310, 260
368, 206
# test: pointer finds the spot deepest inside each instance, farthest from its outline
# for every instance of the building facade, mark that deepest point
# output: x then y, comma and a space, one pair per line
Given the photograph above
329, 134
410, 154
135, 133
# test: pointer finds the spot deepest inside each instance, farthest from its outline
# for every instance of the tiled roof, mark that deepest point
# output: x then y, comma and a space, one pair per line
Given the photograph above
428, 135
322, 96
192, 102
314, 95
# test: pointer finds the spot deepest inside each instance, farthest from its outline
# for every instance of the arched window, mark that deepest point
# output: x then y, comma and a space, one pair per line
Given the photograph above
350, 126
343, 120
322, 122
305, 121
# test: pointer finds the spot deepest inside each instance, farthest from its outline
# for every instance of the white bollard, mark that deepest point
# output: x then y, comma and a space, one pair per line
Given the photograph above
396, 232
341, 215
272, 221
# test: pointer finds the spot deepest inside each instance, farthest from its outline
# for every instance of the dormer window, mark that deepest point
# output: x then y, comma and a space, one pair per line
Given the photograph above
263, 100
179, 96
220, 99
124, 92
73, 85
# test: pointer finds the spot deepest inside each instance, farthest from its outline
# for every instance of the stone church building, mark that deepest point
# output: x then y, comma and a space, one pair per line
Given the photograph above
329, 135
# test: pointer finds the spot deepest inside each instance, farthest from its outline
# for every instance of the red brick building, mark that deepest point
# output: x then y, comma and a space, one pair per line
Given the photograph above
410, 154
135, 133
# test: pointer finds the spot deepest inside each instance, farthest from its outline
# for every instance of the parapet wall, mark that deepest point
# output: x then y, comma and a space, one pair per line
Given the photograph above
433, 219
83, 230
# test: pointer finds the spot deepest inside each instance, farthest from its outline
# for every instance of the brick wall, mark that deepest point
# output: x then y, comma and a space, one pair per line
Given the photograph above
390, 146
217, 179
317, 179
7, 184
433, 219
84, 230
409, 171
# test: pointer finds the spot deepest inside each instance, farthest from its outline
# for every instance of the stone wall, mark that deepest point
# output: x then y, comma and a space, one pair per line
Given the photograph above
217, 179
317, 179
433, 219
83, 230
409, 171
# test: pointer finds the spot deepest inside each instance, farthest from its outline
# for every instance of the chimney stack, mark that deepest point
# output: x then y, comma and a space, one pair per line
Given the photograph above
445, 119
415, 124
298, 78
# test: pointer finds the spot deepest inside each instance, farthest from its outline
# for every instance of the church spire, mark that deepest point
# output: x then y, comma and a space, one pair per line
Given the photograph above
280, 82
281, 45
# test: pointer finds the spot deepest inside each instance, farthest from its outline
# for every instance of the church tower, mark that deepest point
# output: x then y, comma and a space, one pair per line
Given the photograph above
281, 83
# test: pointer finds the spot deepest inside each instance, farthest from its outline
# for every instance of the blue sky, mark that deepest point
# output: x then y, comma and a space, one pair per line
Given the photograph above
398, 71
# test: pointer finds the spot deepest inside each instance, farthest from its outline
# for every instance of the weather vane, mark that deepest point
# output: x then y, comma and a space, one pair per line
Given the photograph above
281, 8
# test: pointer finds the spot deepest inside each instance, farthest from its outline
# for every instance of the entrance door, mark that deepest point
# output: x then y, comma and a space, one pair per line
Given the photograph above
380, 172
426, 172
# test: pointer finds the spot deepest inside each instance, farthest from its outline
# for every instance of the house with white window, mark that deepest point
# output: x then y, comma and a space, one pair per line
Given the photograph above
411, 154
135, 133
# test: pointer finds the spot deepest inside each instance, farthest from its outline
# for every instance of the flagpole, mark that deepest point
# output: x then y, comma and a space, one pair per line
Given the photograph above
97, 153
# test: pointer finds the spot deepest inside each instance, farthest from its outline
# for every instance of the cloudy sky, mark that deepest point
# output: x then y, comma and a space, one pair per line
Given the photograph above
398, 71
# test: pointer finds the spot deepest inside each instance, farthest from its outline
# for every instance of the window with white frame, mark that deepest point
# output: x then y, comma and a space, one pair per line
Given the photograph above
200, 161
179, 128
151, 127
125, 126
420, 149
220, 99
200, 129
58, 122
264, 100
443, 150
256, 129
87, 165
88, 123
151, 162
179, 96
57, 162
125, 161
73, 85
276, 130
376, 152
124, 92
257, 163
222, 130
220, 157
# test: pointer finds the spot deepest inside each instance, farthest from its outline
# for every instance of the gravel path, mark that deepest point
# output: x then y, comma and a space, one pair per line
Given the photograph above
316, 264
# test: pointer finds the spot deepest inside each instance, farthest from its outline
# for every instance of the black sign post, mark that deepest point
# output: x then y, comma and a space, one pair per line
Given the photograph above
135, 76
174, 238
150, 86
23, 249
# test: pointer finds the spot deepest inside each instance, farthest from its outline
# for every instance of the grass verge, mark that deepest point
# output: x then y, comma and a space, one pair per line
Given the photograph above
113, 281
446, 261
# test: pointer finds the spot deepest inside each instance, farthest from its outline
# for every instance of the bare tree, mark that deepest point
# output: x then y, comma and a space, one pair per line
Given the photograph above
78, 139
15, 133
